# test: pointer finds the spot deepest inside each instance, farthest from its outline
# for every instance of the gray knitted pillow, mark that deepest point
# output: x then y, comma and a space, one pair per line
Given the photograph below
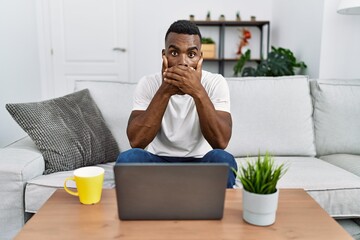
69, 131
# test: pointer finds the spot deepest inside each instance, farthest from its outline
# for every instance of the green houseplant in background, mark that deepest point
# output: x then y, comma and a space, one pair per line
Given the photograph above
208, 48
260, 195
207, 40
280, 62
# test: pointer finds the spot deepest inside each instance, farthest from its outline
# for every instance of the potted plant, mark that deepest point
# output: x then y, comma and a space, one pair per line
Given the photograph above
260, 195
208, 48
238, 18
208, 16
280, 62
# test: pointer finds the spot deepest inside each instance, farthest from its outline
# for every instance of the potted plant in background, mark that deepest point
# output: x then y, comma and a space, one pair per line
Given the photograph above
260, 195
238, 18
208, 16
280, 62
208, 48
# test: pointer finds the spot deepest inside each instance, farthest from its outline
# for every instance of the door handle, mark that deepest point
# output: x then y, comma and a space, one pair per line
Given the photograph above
119, 49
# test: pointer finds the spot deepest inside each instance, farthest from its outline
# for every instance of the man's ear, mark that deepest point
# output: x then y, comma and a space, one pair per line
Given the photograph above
163, 52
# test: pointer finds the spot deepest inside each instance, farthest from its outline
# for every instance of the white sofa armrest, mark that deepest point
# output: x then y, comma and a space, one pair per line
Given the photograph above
19, 162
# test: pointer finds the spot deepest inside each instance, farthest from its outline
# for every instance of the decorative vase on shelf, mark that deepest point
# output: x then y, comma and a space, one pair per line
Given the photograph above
208, 48
208, 16
238, 18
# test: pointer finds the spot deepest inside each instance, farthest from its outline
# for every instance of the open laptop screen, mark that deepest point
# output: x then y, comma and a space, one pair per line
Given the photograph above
170, 191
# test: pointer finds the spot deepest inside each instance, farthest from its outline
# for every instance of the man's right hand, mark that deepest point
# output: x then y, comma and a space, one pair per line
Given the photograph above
168, 88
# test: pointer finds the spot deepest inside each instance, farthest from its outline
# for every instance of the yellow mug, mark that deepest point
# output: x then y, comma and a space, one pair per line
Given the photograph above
89, 181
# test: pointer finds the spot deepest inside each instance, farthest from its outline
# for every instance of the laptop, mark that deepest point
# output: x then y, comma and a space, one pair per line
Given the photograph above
170, 191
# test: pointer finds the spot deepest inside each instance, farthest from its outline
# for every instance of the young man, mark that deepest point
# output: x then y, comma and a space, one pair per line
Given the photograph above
183, 113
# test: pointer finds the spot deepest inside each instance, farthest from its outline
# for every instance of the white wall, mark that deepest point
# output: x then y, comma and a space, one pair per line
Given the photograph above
149, 21
19, 63
340, 48
325, 40
297, 25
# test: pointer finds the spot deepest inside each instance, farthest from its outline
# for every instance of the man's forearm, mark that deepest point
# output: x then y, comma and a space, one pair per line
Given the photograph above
215, 125
144, 125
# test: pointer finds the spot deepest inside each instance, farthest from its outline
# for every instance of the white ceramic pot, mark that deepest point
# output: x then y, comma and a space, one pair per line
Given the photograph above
260, 209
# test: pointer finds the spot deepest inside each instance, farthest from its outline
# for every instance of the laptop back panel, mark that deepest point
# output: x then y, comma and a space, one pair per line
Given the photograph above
170, 191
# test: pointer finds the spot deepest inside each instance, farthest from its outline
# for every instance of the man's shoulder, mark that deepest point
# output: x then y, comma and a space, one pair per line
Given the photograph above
151, 79
208, 77
152, 76
207, 74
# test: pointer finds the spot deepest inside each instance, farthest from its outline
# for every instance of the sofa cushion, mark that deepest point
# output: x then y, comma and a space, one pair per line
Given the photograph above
271, 114
114, 99
38, 190
69, 131
335, 189
337, 116
348, 162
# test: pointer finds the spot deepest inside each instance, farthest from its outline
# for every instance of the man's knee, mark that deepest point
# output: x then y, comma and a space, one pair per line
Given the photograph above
131, 155
219, 155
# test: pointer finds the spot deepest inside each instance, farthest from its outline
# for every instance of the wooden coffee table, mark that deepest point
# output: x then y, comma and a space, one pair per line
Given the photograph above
63, 217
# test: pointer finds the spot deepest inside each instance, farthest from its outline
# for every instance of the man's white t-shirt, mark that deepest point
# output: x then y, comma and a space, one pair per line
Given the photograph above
180, 134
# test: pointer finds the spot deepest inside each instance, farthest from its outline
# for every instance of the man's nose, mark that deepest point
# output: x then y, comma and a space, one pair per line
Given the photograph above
183, 60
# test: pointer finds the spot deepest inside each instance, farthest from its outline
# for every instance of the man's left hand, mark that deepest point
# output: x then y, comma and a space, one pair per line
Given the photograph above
187, 79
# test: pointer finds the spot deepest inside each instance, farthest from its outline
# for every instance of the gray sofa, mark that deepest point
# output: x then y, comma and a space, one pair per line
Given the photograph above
312, 125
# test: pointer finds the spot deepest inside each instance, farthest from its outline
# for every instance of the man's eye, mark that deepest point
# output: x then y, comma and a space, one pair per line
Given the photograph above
192, 54
174, 53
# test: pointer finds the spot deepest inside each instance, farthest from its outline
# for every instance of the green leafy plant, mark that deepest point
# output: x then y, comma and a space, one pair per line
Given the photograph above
205, 40
280, 62
241, 62
261, 176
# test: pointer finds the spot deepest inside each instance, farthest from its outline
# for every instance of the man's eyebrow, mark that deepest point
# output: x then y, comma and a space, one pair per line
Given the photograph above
173, 46
193, 48
189, 49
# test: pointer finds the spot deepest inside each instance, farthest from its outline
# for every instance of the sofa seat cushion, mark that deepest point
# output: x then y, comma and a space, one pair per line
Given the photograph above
335, 189
348, 162
39, 189
271, 114
336, 116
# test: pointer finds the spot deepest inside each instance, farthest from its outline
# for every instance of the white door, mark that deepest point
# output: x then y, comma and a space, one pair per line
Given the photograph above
88, 42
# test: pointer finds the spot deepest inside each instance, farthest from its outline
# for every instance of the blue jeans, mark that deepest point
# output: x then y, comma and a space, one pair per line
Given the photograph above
138, 155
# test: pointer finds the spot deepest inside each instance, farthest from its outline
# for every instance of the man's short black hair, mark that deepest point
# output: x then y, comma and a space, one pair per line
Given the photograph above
183, 27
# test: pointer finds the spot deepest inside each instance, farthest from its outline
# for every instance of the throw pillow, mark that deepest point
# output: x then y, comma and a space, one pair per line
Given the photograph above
69, 131
336, 116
